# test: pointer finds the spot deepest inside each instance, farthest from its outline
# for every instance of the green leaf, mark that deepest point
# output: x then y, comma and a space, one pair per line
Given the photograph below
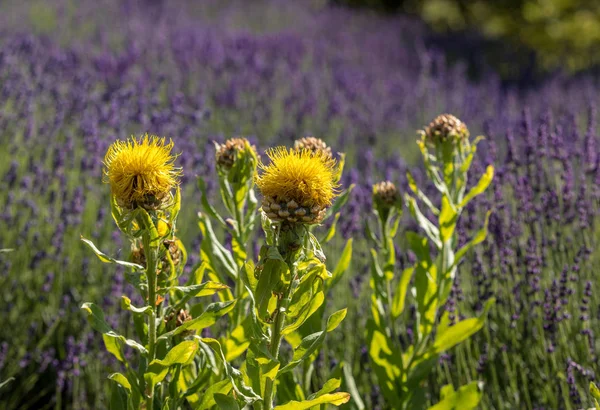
386, 362
447, 219
340, 201
314, 302
206, 205
6, 382
219, 258
446, 391
208, 400
331, 231
182, 354
151, 238
225, 402
118, 398
400, 295
176, 205
425, 284
594, 391
107, 259
335, 319
242, 391
342, 265
430, 229
112, 340
114, 346
329, 386
477, 239
336, 399
313, 342
467, 397
412, 184
126, 304
350, 384
208, 318
271, 272
204, 289
121, 380
481, 186
453, 335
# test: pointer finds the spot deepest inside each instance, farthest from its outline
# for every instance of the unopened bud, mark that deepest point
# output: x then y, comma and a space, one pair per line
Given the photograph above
446, 127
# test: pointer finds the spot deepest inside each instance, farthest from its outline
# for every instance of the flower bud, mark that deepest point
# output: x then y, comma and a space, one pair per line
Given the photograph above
312, 144
386, 197
231, 151
446, 127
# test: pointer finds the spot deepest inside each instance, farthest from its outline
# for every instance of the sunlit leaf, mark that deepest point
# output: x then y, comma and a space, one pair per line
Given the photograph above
481, 186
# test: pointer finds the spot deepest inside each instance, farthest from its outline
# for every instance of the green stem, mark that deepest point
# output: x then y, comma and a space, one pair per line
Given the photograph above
151, 260
276, 335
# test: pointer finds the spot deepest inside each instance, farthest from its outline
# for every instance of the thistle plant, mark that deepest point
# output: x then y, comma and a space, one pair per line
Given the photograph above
145, 202
287, 285
235, 161
402, 364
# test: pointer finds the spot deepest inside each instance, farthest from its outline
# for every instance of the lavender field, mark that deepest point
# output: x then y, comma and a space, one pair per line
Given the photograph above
76, 76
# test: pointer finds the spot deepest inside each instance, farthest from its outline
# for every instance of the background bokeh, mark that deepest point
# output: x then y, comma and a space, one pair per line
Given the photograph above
76, 75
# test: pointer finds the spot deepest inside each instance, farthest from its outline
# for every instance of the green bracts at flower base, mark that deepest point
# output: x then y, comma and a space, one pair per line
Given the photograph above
403, 369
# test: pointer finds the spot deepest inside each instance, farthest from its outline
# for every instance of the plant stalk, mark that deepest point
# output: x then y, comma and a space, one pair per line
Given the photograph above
276, 336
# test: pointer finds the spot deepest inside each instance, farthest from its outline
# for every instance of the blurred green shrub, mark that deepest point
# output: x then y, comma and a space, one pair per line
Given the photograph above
563, 33
42, 17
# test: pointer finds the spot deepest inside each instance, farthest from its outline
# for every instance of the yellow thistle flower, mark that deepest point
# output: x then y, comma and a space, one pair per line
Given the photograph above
297, 186
141, 171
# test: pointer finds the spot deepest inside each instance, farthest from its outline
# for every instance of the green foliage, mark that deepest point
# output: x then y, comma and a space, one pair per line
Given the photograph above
402, 370
167, 371
561, 33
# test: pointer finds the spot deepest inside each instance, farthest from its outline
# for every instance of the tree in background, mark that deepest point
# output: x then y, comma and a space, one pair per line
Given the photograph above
563, 33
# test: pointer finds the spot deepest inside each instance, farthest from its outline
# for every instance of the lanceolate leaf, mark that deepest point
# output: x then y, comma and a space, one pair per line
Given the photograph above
312, 342
481, 186
112, 340
242, 391
400, 295
465, 398
336, 399
182, 354
386, 362
204, 289
447, 219
121, 380
107, 259
225, 402
453, 335
6, 382
478, 238
208, 400
206, 205
342, 265
412, 184
430, 229
350, 385
220, 259
208, 318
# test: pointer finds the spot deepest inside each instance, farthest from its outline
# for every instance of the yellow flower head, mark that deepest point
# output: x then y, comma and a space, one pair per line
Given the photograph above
297, 185
141, 172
